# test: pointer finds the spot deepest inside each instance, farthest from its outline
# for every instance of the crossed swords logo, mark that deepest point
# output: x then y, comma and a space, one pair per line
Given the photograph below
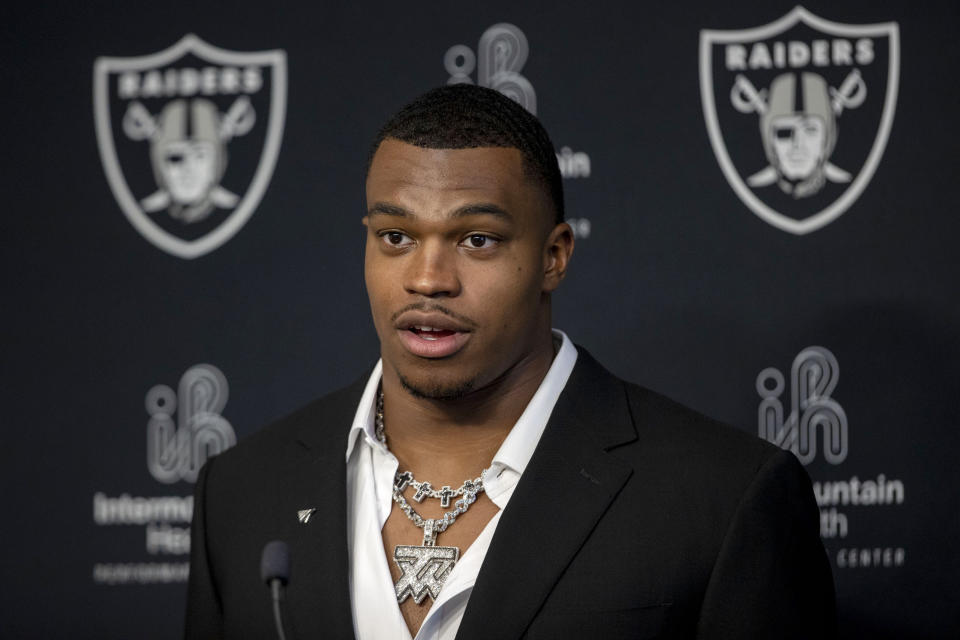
745, 98
139, 124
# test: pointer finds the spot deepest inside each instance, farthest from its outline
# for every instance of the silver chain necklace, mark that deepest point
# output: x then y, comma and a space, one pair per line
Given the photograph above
425, 568
444, 494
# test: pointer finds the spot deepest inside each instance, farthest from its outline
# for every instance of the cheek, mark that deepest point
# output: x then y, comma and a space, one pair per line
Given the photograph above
508, 295
375, 267
377, 290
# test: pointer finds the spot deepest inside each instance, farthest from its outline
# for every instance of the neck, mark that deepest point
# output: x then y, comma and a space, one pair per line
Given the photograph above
451, 439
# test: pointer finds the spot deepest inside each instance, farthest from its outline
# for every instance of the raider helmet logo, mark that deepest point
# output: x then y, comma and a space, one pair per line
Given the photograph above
799, 79
189, 138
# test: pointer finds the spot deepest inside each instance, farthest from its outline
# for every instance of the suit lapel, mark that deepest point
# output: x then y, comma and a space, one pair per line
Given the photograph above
318, 596
566, 488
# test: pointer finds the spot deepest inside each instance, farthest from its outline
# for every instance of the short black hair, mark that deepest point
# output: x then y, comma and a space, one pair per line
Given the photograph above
465, 116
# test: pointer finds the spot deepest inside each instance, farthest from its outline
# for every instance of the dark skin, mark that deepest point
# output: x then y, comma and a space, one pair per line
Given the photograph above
464, 242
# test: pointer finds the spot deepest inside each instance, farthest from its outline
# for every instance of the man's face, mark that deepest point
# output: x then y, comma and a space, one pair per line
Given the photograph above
798, 141
458, 265
189, 169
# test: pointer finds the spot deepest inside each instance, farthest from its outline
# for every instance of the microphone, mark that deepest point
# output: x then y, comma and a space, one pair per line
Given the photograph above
275, 571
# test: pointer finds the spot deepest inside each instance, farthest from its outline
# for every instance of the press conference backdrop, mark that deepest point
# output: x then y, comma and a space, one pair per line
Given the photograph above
764, 198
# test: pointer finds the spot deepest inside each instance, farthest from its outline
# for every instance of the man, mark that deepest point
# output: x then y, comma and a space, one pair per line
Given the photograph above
489, 479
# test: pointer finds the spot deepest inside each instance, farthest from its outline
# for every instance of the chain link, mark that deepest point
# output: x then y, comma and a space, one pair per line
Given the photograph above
469, 489
459, 507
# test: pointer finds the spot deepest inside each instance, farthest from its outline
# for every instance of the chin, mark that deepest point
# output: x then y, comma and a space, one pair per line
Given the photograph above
436, 389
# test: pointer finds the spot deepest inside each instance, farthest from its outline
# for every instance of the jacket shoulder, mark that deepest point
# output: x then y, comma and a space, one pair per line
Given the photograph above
702, 467
324, 421
664, 422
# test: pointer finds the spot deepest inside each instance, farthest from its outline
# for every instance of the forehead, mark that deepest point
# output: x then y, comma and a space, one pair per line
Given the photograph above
436, 177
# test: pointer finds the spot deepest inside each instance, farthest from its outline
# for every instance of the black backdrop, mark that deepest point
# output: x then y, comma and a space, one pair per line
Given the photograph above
676, 283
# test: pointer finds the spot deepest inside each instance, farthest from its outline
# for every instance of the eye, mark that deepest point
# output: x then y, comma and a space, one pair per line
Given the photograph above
396, 239
480, 241
783, 133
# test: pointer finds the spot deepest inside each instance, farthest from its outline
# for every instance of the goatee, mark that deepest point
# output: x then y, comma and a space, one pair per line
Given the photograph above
437, 390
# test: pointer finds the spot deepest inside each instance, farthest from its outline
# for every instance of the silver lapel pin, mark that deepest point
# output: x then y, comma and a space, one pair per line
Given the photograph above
304, 515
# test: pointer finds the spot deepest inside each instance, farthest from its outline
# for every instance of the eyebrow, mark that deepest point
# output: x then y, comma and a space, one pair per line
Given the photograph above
384, 209
480, 208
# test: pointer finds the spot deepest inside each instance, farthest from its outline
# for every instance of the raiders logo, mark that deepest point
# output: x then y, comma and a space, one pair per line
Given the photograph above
189, 138
799, 112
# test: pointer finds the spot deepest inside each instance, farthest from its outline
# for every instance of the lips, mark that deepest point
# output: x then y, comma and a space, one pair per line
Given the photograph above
431, 335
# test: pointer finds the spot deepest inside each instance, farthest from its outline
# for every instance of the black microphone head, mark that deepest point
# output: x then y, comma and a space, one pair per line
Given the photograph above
275, 562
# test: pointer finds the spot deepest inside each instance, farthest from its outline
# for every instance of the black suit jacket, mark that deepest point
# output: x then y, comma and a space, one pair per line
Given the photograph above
635, 518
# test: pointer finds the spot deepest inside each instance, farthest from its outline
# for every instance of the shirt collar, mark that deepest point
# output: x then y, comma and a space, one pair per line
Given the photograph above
518, 447
363, 425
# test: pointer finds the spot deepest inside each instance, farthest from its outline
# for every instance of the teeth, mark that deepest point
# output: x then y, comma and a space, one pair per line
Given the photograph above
425, 331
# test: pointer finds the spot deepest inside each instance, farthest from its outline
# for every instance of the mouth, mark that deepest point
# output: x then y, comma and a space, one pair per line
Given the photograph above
431, 335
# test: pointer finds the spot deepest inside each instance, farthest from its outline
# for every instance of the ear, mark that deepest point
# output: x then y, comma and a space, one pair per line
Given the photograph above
364, 233
556, 256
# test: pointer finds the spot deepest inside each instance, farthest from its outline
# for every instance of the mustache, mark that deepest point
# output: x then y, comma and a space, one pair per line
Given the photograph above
426, 308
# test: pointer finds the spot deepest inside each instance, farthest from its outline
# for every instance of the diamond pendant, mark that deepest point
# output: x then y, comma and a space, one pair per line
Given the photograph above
425, 568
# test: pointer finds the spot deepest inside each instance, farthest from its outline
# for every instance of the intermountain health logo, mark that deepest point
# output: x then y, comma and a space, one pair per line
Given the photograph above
799, 112
502, 52
176, 449
816, 426
813, 377
189, 138
184, 428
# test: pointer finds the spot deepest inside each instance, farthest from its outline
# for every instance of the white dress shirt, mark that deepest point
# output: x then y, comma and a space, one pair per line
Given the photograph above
370, 472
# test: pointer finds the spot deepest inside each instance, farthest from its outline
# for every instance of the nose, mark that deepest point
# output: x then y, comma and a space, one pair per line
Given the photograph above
432, 271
